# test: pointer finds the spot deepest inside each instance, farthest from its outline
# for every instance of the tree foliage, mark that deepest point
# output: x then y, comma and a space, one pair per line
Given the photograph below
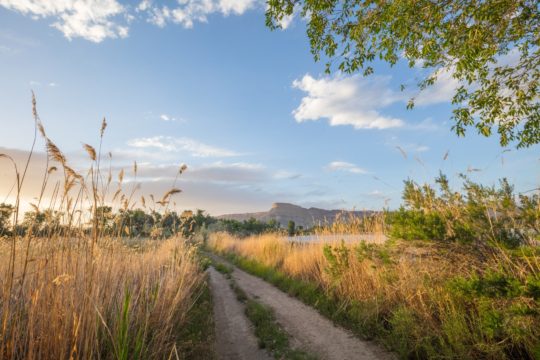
491, 47
247, 227
6, 210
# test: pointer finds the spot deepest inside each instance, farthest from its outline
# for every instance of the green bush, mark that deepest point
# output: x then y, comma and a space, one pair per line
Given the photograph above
416, 225
483, 214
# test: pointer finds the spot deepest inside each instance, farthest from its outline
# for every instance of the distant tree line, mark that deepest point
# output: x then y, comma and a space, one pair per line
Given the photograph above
124, 223
131, 223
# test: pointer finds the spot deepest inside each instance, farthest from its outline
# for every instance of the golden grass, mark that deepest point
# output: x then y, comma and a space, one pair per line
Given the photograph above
407, 287
68, 292
67, 308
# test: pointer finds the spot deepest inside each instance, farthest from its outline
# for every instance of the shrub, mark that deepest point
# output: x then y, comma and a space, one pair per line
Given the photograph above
484, 214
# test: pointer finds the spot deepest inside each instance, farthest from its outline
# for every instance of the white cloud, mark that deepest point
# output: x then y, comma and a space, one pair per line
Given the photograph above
97, 20
90, 19
237, 7
187, 12
421, 148
238, 172
34, 83
353, 100
405, 149
441, 92
171, 144
217, 172
283, 174
6, 50
345, 166
166, 117
144, 5
428, 124
286, 21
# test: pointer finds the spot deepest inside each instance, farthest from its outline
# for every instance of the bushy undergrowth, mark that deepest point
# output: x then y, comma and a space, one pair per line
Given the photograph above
485, 214
423, 300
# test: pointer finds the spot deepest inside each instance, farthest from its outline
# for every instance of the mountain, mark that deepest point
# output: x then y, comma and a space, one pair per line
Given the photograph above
284, 212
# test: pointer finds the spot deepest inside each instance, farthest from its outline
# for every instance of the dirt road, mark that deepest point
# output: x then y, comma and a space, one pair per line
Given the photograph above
309, 330
235, 339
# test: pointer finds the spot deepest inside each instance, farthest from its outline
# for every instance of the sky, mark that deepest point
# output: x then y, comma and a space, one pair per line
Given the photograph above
256, 120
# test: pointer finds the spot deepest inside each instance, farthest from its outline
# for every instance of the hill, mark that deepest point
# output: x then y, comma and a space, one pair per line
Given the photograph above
284, 212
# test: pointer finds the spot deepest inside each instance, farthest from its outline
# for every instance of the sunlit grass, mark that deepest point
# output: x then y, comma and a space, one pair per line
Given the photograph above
69, 291
423, 300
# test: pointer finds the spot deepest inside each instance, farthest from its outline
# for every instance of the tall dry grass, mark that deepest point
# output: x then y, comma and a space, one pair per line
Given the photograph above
424, 300
348, 223
128, 304
68, 292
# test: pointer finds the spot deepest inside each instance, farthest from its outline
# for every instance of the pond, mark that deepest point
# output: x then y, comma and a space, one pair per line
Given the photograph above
370, 238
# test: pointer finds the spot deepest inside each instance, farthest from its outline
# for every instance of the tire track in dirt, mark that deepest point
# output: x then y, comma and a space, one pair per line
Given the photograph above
235, 339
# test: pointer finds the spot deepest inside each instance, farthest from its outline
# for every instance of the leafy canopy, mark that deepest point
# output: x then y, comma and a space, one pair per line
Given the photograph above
492, 47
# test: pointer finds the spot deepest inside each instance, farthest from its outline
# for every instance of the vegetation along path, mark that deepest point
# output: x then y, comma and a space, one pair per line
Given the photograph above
310, 331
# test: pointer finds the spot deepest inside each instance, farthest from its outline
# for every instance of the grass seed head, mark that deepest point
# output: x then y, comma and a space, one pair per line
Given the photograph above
90, 151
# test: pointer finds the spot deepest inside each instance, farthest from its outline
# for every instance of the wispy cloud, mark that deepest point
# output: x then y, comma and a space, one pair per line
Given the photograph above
34, 83
188, 12
216, 172
406, 149
348, 100
93, 20
238, 172
172, 144
166, 117
283, 174
6, 50
377, 194
426, 125
345, 166
441, 92
97, 20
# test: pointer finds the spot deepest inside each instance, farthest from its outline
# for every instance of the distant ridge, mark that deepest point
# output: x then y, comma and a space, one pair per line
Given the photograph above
284, 212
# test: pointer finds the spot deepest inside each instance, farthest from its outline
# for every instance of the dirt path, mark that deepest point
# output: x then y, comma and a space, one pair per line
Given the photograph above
310, 331
235, 339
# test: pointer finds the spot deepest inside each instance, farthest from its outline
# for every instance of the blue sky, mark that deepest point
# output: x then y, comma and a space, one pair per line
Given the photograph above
205, 83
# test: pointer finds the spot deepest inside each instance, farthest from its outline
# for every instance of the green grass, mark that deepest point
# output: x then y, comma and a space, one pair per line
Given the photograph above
240, 294
270, 334
197, 335
222, 268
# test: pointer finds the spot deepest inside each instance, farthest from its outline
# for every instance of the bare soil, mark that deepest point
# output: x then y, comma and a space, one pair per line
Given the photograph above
235, 339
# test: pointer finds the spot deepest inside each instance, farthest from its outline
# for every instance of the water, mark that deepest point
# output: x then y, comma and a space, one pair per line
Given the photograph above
369, 238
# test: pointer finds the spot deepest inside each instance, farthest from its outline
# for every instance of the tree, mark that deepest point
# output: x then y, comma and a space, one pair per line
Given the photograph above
5, 214
491, 47
291, 228
105, 218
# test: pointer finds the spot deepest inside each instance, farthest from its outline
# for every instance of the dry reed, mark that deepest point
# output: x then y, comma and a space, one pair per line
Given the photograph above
69, 292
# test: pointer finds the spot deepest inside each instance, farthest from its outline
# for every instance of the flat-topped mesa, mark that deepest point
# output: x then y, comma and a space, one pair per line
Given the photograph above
283, 208
285, 212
